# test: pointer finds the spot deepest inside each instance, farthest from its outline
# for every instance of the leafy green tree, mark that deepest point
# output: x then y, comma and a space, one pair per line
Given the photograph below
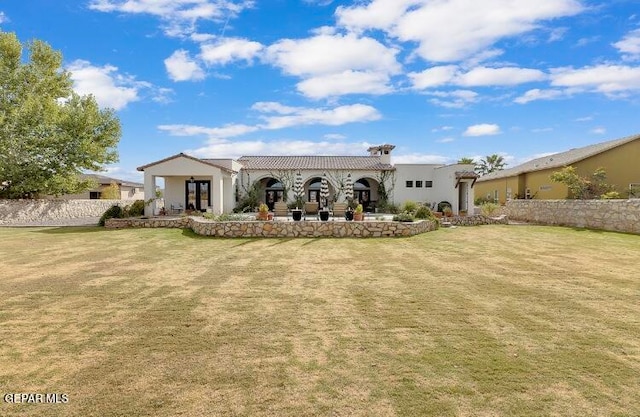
466, 160
585, 188
111, 192
48, 133
490, 164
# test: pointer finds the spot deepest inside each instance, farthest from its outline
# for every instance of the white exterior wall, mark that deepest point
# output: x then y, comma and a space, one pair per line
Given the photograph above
416, 172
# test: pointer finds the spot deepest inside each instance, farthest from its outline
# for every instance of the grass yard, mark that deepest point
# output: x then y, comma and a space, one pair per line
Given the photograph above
480, 321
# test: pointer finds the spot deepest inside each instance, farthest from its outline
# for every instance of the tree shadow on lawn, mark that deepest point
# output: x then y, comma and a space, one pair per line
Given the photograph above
63, 230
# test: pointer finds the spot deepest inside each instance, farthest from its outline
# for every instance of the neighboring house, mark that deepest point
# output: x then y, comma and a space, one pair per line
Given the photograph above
620, 158
128, 190
218, 184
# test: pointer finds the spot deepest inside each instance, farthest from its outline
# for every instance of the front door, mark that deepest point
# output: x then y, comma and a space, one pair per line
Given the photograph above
198, 195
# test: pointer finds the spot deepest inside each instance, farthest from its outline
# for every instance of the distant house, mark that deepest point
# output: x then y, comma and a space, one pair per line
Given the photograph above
128, 190
620, 158
218, 184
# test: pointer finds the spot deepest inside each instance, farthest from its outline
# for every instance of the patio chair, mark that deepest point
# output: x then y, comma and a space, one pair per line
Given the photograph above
311, 208
339, 209
176, 208
280, 209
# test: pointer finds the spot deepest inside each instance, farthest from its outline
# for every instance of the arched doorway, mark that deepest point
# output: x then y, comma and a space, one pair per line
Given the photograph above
274, 192
313, 190
362, 192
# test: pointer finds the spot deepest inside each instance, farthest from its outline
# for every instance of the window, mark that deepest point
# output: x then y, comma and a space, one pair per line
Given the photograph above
409, 184
428, 184
95, 195
418, 184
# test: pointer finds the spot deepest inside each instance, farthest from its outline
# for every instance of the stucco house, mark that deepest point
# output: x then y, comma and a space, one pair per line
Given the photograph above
218, 184
128, 190
620, 158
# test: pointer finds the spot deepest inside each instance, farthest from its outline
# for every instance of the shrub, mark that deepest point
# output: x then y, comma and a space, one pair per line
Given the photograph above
410, 206
488, 209
113, 212
423, 212
442, 205
481, 200
403, 217
135, 209
611, 195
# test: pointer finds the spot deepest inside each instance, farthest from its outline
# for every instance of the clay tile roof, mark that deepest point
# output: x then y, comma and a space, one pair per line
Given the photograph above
104, 180
351, 163
559, 160
183, 155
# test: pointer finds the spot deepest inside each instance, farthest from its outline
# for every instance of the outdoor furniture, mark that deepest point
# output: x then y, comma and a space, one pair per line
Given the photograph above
339, 209
280, 209
176, 208
311, 208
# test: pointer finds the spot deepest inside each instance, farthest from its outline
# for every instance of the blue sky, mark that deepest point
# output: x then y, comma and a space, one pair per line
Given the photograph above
439, 79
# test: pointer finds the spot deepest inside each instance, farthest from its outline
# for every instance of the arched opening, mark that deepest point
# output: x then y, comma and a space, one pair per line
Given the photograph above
274, 192
365, 192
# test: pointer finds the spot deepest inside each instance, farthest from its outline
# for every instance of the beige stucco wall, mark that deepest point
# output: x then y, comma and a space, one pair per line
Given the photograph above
25, 211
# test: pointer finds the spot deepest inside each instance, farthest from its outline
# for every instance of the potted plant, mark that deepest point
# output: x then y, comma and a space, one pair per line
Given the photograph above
263, 212
348, 215
447, 211
296, 213
357, 214
324, 214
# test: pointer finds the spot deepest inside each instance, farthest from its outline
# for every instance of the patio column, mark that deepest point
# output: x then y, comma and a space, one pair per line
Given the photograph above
229, 194
149, 193
217, 193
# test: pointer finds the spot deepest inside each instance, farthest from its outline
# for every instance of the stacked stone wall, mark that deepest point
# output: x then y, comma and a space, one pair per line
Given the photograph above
611, 215
281, 228
24, 211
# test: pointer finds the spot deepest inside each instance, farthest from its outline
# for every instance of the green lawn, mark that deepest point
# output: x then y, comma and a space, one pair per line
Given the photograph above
479, 321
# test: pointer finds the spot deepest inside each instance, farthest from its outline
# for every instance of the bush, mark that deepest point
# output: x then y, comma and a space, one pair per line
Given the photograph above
135, 210
481, 200
403, 217
410, 206
488, 209
389, 208
424, 212
611, 195
113, 212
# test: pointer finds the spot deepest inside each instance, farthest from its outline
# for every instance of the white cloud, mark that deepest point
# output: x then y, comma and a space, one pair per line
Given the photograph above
110, 88
584, 119
598, 131
236, 149
446, 140
276, 116
179, 16
334, 64
453, 99
476, 77
3, 17
346, 82
537, 94
630, 45
229, 50
612, 80
181, 67
416, 158
442, 129
334, 136
453, 30
482, 130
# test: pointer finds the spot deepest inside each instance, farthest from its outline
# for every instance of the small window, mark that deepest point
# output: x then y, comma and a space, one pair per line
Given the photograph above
428, 184
418, 184
409, 184
95, 195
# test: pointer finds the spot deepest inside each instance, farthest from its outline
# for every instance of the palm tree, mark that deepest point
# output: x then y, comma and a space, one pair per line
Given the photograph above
490, 164
466, 160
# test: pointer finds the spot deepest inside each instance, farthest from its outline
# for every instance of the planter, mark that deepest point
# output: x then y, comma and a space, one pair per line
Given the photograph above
297, 215
262, 215
358, 217
269, 216
324, 215
348, 215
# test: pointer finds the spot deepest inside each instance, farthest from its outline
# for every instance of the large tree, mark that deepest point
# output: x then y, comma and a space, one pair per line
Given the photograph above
490, 164
48, 133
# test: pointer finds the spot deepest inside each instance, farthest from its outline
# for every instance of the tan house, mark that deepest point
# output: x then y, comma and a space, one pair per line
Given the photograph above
620, 158
128, 190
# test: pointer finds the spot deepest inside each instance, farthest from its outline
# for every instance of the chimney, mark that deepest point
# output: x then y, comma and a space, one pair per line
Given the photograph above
383, 151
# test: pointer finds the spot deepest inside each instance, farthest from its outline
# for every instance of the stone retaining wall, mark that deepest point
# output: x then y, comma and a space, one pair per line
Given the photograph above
612, 215
24, 211
475, 220
281, 228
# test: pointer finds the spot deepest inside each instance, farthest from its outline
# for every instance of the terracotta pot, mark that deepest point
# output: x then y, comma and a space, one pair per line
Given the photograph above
358, 217
262, 215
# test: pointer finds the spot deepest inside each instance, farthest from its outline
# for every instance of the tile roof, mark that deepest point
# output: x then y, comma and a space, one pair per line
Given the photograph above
559, 160
104, 180
352, 163
183, 155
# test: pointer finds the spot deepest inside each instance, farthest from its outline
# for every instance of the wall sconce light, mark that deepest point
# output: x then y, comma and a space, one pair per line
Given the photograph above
192, 180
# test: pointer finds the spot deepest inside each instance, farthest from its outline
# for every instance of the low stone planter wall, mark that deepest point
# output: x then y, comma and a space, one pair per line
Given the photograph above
476, 220
24, 211
281, 228
612, 215
155, 222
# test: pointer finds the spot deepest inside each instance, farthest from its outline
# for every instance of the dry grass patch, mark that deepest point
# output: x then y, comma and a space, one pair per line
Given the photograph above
484, 321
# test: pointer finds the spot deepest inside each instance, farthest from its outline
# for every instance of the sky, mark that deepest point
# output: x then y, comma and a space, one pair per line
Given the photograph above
439, 79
